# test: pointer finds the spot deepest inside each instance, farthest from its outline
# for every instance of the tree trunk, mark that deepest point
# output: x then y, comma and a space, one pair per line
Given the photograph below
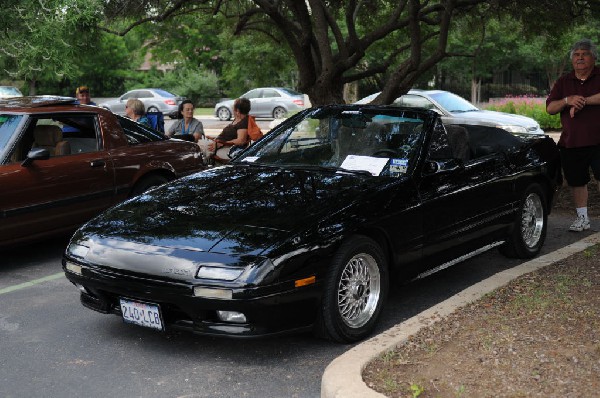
475, 91
32, 90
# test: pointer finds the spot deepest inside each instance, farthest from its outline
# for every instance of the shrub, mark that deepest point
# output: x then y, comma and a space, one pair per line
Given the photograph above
534, 108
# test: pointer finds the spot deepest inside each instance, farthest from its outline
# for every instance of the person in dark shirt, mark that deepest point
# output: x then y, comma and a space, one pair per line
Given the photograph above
576, 96
235, 133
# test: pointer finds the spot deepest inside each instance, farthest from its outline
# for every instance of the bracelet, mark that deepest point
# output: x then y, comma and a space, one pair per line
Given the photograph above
566, 100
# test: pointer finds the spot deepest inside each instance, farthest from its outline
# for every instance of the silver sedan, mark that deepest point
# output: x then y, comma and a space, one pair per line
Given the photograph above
457, 110
266, 102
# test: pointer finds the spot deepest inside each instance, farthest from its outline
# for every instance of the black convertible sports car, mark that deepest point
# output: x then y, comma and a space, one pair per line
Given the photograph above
306, 228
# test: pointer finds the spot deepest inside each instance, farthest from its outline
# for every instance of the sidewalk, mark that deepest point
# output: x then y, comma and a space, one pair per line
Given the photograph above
343, 377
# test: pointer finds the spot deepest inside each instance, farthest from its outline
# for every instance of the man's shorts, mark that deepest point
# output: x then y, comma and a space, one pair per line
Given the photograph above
576, 164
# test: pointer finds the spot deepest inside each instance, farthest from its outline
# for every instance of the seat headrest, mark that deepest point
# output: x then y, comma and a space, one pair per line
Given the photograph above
47, 135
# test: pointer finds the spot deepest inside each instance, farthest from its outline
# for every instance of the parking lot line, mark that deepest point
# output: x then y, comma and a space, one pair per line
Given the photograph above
31, 283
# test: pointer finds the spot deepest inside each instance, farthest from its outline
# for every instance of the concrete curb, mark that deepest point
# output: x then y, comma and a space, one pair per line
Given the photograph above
343, 376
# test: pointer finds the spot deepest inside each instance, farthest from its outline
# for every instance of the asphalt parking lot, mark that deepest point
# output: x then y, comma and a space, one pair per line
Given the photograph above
52, 346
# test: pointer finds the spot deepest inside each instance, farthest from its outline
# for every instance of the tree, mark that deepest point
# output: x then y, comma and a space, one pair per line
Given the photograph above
333, 41
42, 37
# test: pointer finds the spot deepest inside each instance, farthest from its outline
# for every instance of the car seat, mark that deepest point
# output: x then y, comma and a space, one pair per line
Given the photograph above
50, 137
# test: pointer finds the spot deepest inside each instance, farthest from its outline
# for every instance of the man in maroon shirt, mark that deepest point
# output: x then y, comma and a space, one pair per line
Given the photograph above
576, 95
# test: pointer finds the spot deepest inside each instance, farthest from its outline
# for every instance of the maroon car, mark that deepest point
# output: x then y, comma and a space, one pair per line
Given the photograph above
62, 163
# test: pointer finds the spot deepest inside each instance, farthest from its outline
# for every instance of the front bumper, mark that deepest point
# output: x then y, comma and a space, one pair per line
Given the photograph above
269, 310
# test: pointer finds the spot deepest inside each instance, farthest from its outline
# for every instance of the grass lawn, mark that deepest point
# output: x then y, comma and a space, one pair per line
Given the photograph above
204, 111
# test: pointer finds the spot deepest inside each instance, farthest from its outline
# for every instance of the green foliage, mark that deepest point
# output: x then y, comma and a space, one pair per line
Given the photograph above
250, 62
531, 107
42, 37
198, 85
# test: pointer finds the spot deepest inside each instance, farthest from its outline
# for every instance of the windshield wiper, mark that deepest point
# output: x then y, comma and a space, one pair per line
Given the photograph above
331, 169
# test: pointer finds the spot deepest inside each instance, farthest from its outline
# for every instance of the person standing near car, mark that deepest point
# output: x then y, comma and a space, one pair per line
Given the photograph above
136, 111
82, 93
576, 96
187, 125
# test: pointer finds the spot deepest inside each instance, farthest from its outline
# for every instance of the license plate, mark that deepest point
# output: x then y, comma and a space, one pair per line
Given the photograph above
141, 314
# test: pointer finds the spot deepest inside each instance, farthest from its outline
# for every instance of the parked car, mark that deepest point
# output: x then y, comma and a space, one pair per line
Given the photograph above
267, 102
155, 100
308, 227
10, 91
457, 110
63, 163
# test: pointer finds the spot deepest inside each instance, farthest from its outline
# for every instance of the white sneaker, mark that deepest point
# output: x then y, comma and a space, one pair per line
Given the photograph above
580, 224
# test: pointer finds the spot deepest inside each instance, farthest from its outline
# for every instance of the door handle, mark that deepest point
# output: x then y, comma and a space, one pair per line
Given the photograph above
97, 163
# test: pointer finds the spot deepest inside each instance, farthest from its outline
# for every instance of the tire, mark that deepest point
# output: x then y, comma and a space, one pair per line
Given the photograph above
223, 113
148, 182
152, 109
355, 291
279, 113
529, 231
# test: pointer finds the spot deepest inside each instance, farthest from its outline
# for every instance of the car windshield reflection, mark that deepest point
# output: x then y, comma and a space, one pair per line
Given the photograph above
453, 103
8, 125
362, 142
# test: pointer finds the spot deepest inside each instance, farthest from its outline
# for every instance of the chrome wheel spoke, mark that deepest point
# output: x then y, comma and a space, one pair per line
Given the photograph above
359, 290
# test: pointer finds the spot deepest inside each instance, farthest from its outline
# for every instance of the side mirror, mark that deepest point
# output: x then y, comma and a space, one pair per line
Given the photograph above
443, 166
36, 154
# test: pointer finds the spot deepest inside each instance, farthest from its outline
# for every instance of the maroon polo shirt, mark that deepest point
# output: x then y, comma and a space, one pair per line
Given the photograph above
583, 129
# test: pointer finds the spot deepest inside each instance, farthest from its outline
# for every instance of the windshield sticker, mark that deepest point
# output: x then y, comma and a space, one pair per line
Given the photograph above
367, 163
398, 167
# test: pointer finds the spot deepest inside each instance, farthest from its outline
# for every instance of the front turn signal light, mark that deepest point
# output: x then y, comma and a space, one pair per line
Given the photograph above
305, 282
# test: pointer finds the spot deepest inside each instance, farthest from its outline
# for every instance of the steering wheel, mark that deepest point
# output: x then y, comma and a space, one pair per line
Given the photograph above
385, 153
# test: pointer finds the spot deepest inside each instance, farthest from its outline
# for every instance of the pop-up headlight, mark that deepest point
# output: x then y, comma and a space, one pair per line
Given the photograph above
222, 272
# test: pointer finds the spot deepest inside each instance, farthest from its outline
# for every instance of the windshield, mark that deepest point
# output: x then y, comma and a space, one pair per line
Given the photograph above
367, 141
452, 102
164, 93
8, 126
291, 92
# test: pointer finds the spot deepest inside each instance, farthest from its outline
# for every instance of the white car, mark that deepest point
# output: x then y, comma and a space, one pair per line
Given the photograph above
266, 102
457, 110
9, 92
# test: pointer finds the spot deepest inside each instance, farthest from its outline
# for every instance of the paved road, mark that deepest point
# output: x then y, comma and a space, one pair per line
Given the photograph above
213, 126
50, 346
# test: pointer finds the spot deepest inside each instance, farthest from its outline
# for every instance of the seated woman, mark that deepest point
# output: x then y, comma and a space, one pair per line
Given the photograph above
234, 134
136, 111
187, 126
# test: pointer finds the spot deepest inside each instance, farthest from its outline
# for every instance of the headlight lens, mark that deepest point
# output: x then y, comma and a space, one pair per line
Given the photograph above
221, 273
78, 251
514, 129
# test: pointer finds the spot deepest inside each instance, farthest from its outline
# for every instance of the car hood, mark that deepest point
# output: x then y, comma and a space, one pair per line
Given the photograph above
496, 119
233, 210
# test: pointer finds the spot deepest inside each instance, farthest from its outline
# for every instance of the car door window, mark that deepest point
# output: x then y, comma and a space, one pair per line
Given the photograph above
61, 135
439, 147
253, 94
82, 132
144, 94
270, 94
126, 96
416, 101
